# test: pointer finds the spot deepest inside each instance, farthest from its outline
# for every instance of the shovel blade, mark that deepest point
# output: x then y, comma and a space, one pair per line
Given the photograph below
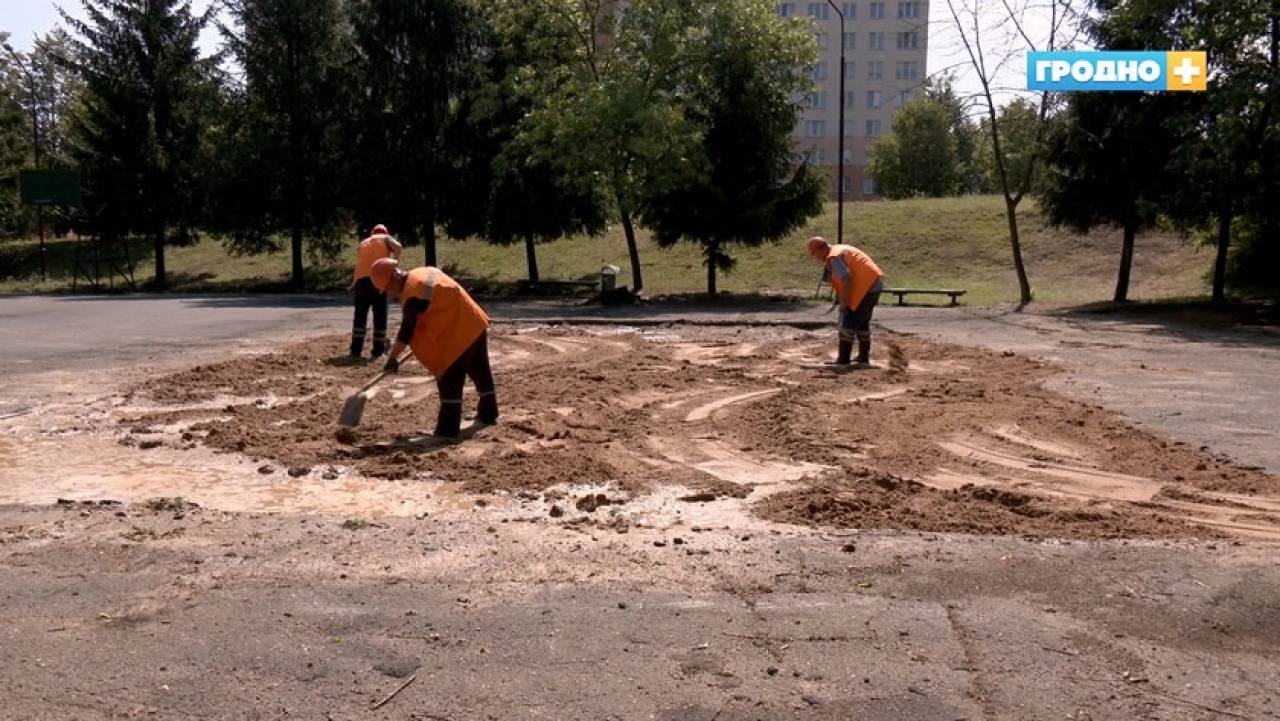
353, 410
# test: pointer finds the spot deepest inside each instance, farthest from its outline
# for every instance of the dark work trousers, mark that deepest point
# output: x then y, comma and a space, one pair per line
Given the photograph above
855, 325
473, 364
368, 296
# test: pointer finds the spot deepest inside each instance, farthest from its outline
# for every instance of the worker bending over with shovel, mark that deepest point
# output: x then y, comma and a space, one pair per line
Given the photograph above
377, 246
448, 333
858, 282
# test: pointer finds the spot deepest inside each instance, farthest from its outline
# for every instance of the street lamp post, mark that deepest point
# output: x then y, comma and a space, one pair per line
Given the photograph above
35, 138
840, 130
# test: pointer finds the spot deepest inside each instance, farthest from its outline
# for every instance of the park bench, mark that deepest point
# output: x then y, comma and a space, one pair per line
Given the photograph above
902, 293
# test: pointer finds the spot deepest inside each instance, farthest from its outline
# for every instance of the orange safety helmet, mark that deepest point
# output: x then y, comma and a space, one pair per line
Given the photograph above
382, 271
818, 247
380, 229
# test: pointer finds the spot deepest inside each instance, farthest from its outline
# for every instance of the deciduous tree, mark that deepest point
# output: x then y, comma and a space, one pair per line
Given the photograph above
740, 71
919, 158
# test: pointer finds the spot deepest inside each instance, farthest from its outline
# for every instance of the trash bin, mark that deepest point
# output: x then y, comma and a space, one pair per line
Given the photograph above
609, 278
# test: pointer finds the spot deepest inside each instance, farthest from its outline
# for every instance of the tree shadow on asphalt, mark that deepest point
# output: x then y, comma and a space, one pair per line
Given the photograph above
1237, 323
300, 300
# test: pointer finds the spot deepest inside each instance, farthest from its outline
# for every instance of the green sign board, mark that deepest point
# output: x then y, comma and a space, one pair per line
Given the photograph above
50, 187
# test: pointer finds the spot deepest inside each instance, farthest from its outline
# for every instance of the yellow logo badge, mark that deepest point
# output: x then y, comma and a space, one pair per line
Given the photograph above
1187, 71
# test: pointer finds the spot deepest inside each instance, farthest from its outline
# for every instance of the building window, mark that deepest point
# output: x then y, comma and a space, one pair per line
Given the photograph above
875, 70
846, 185
787, 10
822, 40
873, 127
909, 40
847, 157
908, 9
848, 128
850, 10
820, 71
868, 186
848, 70
816, 128
818, 100
873, 99
815, 157
905, 70
877, 11
877, 41
850, 41
818, 10
850, 99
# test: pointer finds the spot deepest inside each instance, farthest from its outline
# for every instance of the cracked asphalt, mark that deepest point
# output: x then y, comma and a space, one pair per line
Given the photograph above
111, 611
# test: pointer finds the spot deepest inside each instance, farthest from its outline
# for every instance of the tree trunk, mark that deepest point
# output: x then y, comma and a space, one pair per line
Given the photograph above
1126, 264
429, 228
294, 176
1015, 243
1220, 264
628, 228
161, 281
531, 257
295, 243
713, 252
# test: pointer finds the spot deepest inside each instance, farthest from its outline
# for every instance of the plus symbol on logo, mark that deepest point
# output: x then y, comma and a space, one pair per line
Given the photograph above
1187, 71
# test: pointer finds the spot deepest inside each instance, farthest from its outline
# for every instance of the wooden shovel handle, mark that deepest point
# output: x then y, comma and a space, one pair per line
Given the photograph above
383, 374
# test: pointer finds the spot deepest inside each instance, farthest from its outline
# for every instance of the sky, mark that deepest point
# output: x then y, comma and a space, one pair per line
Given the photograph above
24, 18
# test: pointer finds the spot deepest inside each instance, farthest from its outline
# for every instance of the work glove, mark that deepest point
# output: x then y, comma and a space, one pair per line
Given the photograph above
392, 365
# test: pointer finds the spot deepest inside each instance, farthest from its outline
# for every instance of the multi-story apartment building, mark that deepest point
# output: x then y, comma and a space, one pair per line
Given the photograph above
885, 46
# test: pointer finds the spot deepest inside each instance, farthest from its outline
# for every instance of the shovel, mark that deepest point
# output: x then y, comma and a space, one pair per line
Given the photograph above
353, 409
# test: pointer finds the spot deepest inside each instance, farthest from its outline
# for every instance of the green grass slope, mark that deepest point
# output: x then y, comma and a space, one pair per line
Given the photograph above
934, 243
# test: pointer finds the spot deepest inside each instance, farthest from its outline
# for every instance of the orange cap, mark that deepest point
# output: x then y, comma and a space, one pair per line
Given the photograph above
380, 229
818, 246
382, 271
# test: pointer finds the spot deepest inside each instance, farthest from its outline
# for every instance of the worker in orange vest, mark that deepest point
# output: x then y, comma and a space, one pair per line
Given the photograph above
448, 333
378, 245
858, 282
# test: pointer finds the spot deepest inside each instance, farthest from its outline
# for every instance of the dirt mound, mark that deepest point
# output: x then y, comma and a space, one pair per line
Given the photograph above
878, 501
724, 411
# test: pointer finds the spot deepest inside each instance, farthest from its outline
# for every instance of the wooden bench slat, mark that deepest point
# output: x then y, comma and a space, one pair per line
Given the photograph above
902, 293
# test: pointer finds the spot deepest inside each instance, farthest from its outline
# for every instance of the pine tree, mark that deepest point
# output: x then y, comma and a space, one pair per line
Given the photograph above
138, 139
292, 53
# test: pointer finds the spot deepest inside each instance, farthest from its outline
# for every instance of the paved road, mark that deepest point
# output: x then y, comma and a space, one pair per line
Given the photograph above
134, 613
113, 614
1210, 386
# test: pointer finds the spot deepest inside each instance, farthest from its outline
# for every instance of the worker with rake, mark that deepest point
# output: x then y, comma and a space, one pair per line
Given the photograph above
858, 282
377, 246
447, 332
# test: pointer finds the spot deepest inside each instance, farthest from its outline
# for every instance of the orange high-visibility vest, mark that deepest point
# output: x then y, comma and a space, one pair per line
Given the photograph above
852, 272
453, 320
371, 249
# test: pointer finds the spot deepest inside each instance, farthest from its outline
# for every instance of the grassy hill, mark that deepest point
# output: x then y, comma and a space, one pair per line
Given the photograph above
949, 242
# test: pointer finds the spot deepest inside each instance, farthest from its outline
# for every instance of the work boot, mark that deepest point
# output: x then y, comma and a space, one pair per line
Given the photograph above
864, 352
357, 342
843, 351
488, 410
449, 422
